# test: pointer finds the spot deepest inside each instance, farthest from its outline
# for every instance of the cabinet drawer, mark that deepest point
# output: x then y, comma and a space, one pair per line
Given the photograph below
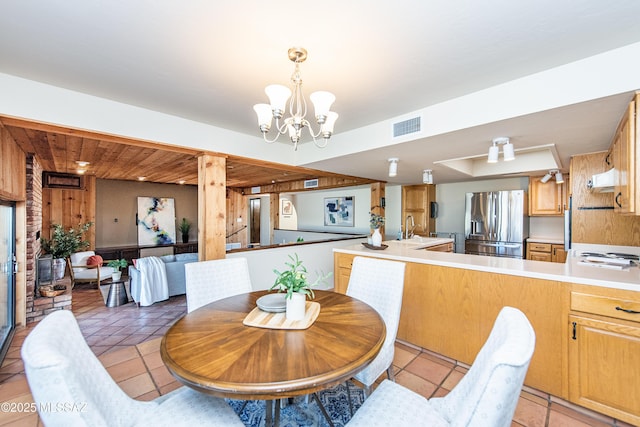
620, 308
540, 247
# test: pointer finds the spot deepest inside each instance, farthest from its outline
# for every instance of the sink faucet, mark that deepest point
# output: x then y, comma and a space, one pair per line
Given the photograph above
408, 234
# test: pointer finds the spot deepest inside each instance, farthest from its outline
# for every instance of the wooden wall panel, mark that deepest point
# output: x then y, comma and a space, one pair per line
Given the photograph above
70, 208
599, 226
13, 165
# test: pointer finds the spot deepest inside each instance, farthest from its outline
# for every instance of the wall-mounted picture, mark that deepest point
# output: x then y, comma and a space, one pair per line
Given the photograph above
287, 207
338, 211
156, 221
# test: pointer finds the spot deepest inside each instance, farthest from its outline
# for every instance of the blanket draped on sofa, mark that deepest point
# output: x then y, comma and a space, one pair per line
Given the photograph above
153, 280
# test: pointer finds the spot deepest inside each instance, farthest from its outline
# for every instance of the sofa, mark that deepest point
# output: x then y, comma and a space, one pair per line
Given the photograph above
174, 265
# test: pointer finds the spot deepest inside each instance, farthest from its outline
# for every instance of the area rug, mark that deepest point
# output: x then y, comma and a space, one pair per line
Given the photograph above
299, 413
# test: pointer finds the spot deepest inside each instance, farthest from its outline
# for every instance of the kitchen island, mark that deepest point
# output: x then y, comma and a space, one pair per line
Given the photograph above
587, 331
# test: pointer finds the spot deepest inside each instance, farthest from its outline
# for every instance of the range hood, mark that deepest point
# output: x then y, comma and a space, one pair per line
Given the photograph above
603, 182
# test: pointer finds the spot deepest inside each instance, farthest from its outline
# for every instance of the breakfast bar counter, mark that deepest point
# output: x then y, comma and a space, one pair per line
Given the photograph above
412, 250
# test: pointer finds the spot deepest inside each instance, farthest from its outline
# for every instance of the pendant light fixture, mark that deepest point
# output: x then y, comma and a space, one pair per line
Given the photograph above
296, 121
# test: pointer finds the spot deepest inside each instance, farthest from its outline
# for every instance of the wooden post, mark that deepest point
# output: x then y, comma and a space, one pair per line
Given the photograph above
377, 195
212, 207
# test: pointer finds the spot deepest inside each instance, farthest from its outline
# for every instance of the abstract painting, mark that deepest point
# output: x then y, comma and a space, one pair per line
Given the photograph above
338, 211
156, 221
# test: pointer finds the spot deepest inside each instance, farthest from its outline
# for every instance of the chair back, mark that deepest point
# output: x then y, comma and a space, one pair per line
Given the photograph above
380, 284
488, 394
208, 281
65, 376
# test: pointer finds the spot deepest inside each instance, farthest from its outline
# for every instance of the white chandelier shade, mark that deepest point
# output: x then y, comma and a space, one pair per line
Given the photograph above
293, 124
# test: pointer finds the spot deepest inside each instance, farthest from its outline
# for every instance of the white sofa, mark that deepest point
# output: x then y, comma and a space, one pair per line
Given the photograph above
174, 265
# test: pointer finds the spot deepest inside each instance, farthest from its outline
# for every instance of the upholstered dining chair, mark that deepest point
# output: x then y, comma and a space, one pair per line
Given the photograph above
208, 281
486, 396
379, 283
83, 270
65, 376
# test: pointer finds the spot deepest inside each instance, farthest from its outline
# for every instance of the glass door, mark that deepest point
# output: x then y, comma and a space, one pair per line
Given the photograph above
7, 275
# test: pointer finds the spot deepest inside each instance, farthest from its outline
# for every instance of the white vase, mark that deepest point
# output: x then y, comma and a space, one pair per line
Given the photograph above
59, 266
116, 275
376, 238
296, 306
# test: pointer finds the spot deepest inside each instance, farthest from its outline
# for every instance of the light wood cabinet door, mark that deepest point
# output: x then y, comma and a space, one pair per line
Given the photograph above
624, 162
416, 201
604, 366
558, 254
548, 198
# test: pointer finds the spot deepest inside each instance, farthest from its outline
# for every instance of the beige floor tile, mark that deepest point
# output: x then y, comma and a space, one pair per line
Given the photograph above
581, 416
403, 355
111, 358
138, 385
431, 370
170, 387
11, 389
416, 384
127, 369
530, 413
161, 376
452, 380
149, 346
153, 360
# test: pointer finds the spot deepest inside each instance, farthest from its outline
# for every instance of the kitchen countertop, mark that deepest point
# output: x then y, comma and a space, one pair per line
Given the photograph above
552, 240
571, 271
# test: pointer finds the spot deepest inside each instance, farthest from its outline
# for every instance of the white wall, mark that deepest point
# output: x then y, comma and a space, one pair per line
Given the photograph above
316, 258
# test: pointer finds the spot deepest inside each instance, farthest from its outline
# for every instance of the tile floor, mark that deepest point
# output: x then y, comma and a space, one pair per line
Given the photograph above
127, 341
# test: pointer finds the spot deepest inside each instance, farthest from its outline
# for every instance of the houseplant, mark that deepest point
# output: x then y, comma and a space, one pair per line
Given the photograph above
184, 228
375, 222
63, 243
117, 264
295, 283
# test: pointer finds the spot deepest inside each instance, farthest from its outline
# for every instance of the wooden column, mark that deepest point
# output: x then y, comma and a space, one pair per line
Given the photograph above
212, 207
377, 193
274, 214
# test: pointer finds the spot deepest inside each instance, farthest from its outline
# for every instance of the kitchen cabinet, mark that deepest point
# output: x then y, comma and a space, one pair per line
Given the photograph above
549, 252
416, 201
548, 198
451, 311
604, 352
624, 149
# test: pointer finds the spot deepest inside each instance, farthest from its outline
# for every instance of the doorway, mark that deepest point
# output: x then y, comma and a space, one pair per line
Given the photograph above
254, 222
7, 275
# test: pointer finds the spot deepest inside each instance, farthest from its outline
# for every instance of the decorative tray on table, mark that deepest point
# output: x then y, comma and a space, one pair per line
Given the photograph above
375, 248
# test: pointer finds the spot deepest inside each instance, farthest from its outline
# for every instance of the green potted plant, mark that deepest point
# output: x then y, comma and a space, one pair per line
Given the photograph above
63, 243
185, 227
295, 283
117, 264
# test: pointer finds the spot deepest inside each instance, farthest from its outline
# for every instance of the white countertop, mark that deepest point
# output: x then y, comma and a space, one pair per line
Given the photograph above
571, 271
552, 240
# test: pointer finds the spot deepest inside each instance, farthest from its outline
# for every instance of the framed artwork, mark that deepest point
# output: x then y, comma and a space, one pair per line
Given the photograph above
156, 221
338, 211
287, 207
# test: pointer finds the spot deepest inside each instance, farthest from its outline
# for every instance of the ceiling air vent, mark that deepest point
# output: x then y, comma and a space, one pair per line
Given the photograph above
311, 183
407, 127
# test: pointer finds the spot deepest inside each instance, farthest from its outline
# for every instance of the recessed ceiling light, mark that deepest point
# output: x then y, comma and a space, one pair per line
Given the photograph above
82, 163
182, 181
142, 178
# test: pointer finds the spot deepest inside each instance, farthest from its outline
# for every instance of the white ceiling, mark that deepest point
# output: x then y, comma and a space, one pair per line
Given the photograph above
209, 61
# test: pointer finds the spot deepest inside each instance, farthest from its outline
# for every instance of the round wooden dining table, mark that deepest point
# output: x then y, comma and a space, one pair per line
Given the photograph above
211, 350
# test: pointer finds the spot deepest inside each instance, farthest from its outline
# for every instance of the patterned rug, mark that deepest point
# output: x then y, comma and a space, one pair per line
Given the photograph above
299, 413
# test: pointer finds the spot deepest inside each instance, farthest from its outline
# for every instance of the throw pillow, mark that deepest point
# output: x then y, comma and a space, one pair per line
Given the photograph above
95, 260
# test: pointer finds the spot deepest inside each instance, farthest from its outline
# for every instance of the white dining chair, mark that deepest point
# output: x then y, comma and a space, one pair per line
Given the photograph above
486, 396
72, 388
379, 283
208, 281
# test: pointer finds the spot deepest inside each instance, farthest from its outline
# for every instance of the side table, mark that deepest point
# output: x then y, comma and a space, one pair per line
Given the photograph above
117, 293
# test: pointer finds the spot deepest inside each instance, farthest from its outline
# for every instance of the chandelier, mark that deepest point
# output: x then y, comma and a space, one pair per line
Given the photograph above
296, 121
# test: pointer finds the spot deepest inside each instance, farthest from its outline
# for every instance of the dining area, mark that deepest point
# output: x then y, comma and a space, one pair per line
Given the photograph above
239, 362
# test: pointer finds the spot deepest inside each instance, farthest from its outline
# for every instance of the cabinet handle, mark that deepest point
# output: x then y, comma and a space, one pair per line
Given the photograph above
574, 330
618, 199
627, 310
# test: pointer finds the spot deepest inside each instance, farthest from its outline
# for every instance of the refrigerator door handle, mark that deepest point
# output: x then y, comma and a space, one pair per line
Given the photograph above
501, 245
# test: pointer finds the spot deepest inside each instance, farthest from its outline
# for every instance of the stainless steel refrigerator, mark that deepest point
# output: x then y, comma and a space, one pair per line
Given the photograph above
496, 223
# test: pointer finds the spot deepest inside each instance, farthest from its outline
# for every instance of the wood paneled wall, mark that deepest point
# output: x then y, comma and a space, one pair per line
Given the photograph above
598, 226
70, 208
13, 165
237, 218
